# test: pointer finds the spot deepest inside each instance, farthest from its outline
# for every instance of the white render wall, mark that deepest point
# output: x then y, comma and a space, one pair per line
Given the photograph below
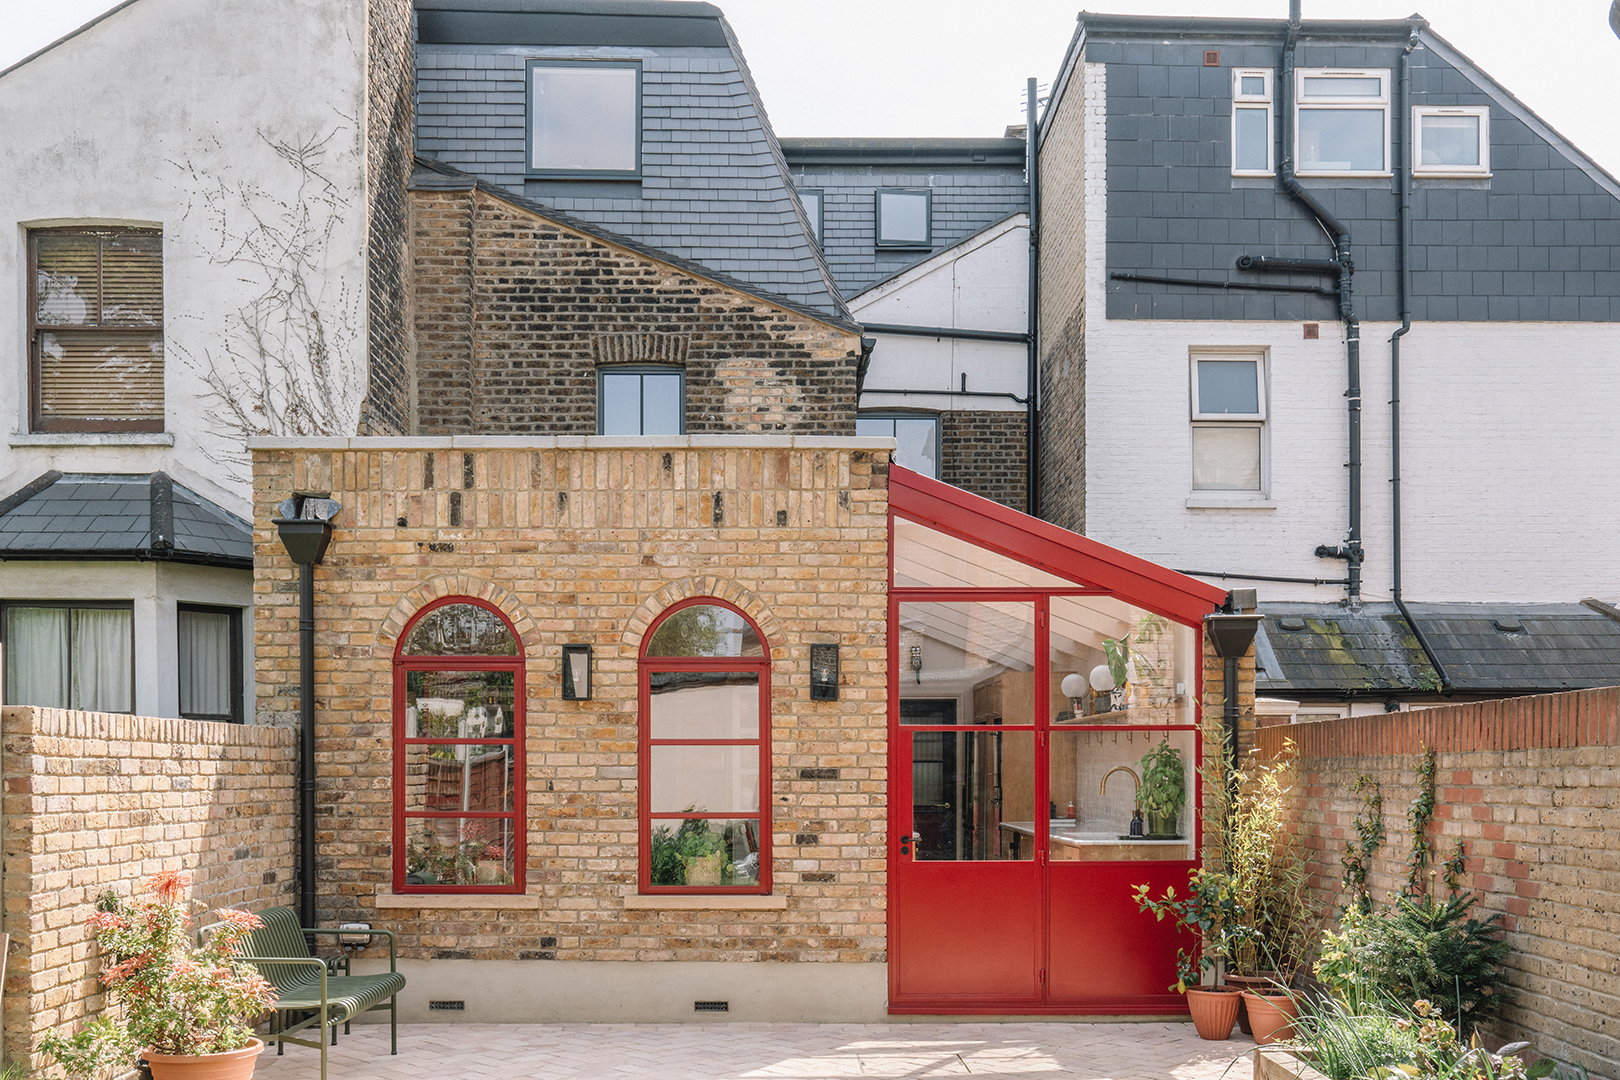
980, 284
182, 114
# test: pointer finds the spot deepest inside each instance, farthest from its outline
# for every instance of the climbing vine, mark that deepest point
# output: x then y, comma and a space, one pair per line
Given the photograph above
1419, 814
1358, 853
1455, 867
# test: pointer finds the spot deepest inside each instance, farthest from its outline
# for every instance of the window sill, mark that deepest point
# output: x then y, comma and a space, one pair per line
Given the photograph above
1229, 502
458, 901
705, 903
1416, 175
92, 438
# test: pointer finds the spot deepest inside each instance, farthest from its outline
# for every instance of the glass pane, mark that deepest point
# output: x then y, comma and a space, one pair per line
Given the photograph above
903, 217
704, 779
621, 404
458, 851
927, 559
1251, 151
918, 448
1226, 458
705, 851
1229, 387
1341, 140
103, 660
37, 657
704, 704
661, 406
1342, 86
1252, 85
584, 118
66, 279
977, 655
1113, 663
705, 630
132, 280
465, 777
459, 704
1100, 809
460, 630
812, 210
973, 795
92, 375
1450, 140
205, 663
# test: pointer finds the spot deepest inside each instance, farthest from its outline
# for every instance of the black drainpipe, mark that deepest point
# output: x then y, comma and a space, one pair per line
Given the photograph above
1032, 386
1403, 210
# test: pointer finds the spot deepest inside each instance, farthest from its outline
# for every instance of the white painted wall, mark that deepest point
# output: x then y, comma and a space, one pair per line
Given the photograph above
980, 284
182, 114
1510, 465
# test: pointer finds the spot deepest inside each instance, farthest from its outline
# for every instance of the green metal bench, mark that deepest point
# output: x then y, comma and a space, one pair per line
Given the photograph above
307, 988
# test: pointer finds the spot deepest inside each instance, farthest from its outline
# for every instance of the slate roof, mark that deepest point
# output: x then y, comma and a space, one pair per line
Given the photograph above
1318, 649
111, 516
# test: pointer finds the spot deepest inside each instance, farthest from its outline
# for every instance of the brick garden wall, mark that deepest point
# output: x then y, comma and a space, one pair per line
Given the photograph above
588, 543
514, 313
95, 801
1532, 788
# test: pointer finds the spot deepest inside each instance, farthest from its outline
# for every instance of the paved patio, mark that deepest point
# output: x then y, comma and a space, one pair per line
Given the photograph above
767, 1051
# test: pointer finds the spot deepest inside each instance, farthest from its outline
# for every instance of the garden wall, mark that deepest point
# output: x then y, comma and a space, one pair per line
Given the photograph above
95, 801
1532, 788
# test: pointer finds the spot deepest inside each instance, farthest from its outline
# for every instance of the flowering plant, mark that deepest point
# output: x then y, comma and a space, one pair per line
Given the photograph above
177, 998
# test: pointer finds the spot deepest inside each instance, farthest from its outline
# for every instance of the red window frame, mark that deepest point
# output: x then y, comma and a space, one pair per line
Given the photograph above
403, 664
646, 665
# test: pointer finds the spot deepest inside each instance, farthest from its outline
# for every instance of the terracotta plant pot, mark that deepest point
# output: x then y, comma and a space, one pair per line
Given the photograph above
231, 1065
1271, 1016
1214, 1010
1262, 981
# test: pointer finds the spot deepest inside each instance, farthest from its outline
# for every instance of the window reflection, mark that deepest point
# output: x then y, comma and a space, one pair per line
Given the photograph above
973, 795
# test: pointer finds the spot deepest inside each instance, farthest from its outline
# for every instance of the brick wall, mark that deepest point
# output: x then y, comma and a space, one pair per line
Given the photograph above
985, 452
95, 802
390, 76
514, 313
1532, 788
588, 544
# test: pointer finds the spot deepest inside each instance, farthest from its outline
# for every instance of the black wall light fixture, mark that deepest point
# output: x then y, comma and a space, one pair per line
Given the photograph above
916, 661
823, 672
576, 673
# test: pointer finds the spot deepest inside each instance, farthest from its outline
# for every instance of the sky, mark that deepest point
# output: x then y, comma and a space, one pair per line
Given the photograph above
955, 68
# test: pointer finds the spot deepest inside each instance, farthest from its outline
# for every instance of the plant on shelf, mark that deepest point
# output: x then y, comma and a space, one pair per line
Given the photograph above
1164, 788
173, 998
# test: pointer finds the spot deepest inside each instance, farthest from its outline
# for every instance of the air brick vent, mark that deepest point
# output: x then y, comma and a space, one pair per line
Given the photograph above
711, 1006
447, 1006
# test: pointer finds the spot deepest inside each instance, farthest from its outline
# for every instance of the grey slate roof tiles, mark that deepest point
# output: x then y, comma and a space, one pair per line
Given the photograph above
110, 516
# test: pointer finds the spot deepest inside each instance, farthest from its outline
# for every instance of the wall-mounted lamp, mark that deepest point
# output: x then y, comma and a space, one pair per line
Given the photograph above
916, 661
576, 673
823, 672
358, 940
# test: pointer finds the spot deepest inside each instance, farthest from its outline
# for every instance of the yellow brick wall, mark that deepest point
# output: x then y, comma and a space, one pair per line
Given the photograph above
95, 801
587, 544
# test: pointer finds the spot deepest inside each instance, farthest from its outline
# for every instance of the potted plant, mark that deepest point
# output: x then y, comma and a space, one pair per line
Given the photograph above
185, 1008
1164, 789
1206, 910
703, 853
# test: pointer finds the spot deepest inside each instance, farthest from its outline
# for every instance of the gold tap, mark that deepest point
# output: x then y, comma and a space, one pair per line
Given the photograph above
1119, 768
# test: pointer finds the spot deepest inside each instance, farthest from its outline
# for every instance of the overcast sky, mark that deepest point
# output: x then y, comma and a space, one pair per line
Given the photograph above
957, 67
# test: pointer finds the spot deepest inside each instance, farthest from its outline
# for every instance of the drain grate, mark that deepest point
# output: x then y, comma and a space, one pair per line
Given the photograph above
447, 1006
711, 1006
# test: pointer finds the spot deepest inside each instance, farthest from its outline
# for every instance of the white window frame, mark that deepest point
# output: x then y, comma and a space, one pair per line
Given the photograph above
1339, 104
1258, 420
1254, 103
1483, 169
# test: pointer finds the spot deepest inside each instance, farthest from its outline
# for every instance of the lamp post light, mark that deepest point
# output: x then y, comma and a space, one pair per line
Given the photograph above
305, 526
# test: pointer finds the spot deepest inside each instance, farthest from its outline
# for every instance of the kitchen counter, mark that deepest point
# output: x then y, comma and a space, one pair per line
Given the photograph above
1071, 844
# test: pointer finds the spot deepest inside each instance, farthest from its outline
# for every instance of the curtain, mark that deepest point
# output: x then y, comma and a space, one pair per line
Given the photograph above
103, 660
37, 657
205, 663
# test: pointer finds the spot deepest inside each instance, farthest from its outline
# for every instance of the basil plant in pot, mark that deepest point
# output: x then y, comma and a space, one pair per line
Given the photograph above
181, 1006
1164, 789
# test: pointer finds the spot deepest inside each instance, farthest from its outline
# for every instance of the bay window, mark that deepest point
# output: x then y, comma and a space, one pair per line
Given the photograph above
70, 655
210, 662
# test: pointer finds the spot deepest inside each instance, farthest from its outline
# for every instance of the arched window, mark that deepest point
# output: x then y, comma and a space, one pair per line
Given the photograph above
705, 680
458, 751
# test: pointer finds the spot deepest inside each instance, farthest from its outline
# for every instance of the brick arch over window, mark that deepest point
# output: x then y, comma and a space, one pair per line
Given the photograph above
395, 621
674, 592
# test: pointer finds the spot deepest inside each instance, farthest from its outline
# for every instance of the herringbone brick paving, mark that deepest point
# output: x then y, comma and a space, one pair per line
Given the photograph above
741, 1051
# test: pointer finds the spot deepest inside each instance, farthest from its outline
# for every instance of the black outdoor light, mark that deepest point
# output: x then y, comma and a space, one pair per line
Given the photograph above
823, 672
576, 673
916, 661
305, 526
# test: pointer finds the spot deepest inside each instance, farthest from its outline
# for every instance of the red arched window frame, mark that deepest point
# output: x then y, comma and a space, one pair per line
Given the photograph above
648, 746
508, 823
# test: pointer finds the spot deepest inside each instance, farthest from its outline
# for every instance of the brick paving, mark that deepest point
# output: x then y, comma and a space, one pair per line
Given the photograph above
740, 1051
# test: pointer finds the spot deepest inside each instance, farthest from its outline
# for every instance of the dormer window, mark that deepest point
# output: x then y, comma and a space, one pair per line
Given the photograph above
584, 118
904, 217
1342, 122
